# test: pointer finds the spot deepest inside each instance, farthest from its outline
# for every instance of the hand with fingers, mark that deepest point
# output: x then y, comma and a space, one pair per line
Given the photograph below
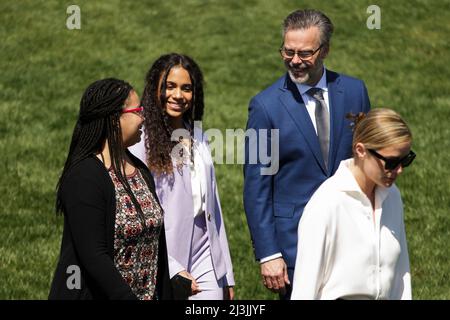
194, 286
228, 293
275, 276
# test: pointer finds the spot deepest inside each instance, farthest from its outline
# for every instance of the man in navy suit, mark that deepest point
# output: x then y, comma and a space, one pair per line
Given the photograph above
308, 106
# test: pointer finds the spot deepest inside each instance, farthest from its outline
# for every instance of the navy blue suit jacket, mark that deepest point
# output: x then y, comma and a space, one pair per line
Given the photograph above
274, 203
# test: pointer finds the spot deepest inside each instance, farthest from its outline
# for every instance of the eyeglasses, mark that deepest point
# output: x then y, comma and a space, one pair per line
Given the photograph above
138, 110
303, 55
392, 163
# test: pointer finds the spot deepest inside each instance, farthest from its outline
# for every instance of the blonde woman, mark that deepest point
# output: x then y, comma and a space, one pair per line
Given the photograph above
352, 242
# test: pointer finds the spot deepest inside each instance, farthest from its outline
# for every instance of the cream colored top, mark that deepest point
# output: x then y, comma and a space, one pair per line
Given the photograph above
343, 252
197, 171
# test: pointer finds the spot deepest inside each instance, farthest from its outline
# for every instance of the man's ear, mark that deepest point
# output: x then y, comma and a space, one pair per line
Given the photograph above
324, 51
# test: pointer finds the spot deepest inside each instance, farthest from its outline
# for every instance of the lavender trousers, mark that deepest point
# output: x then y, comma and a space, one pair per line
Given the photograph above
201, 267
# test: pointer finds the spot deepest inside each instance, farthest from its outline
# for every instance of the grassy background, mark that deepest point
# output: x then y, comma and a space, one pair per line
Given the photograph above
45, 68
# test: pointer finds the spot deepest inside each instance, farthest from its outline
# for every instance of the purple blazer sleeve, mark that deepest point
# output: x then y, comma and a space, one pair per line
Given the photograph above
175, 195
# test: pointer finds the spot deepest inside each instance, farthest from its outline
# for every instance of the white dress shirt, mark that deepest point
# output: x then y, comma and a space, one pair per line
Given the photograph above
346, 249
310, 102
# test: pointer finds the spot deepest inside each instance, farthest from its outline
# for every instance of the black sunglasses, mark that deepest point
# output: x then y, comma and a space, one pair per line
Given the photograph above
392, 163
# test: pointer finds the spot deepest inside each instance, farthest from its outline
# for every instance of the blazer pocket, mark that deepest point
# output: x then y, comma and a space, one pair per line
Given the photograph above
284, 210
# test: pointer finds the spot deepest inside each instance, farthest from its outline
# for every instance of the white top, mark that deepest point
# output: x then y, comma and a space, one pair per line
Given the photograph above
343, 251
310, 102
197, 180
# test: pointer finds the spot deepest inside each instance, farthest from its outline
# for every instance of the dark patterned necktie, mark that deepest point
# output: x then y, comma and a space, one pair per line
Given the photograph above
322, 122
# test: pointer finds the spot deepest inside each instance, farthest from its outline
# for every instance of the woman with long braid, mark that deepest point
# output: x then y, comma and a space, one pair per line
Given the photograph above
113, 244
184, 176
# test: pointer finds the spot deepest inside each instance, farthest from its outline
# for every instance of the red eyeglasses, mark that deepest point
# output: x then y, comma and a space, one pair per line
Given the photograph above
138, 110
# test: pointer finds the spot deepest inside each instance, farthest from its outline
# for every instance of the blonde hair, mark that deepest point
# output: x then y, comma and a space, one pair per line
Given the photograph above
380, 128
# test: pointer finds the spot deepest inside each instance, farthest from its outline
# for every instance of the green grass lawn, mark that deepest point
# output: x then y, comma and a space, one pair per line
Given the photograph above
45, 68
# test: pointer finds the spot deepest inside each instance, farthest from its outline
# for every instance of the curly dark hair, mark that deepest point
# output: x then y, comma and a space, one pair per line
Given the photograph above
156, 125
99, 120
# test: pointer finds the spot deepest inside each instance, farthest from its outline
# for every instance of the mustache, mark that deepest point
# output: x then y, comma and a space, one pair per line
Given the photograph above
298, 67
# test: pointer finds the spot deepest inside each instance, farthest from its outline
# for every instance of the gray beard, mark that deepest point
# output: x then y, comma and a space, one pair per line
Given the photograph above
301, 80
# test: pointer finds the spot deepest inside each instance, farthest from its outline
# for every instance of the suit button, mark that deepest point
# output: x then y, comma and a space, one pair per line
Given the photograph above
209, 216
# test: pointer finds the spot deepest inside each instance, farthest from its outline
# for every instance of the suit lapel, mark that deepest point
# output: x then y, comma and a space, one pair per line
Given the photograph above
292, 101
335, 99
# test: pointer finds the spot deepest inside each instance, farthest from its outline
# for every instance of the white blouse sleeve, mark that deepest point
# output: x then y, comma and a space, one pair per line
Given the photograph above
401, 289
311, 251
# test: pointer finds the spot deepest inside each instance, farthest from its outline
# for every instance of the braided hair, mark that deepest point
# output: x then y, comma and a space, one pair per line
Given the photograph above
156, 125
98, 122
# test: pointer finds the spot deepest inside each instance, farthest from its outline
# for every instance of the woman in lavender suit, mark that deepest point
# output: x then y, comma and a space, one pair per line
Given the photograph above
177, 153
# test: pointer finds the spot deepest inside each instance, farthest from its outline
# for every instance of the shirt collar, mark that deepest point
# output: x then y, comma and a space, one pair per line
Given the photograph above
322, 84
347, 182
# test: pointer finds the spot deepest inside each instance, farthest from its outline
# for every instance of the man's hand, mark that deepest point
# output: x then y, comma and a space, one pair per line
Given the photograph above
275, 276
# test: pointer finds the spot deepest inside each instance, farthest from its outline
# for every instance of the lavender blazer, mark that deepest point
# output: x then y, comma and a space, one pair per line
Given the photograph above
175, 195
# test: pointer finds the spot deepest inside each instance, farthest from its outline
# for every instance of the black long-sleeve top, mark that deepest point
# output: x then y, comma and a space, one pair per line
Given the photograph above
89, 207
